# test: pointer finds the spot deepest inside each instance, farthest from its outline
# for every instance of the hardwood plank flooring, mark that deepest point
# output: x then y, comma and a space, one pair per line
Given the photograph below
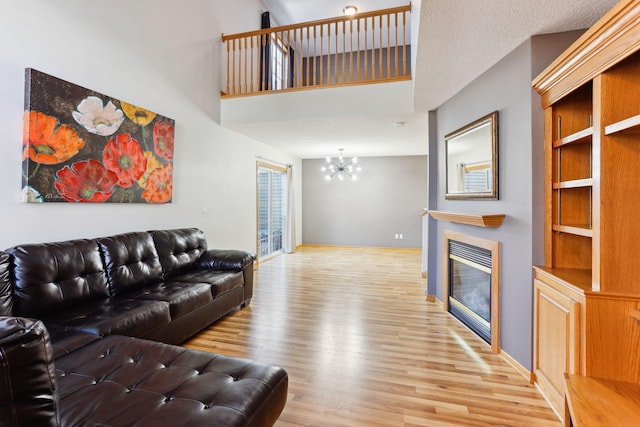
363, 347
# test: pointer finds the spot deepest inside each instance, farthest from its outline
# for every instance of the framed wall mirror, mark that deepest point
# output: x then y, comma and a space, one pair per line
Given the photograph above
471, 157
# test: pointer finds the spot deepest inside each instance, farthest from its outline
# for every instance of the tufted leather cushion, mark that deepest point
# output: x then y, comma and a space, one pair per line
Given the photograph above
50, 277
182, 297
27, 380
123, 316
220, 281
179, 249
65, 340
6, 297
122, 381
131, 261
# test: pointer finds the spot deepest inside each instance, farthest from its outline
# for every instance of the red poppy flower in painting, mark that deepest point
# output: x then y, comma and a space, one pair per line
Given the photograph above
163, 140
159, 185
47, 143
85, 181
124, 156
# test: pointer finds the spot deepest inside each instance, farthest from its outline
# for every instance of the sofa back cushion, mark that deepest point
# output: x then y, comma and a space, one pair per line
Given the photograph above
6, 297
51, 276
27, 380
179, 249
131, 261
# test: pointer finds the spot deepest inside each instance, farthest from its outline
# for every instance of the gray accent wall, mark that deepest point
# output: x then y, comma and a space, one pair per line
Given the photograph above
386, 199
506, 87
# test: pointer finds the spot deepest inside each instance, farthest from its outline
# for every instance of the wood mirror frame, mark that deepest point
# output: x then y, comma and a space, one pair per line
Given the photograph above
471, 160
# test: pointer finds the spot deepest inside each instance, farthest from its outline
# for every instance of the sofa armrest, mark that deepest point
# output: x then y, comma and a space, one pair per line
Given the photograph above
230, 259
6, 293
27, 374
226, 259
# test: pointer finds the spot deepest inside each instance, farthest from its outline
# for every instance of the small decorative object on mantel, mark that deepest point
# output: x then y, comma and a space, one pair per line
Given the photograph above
340, 168
82, 146
477, 219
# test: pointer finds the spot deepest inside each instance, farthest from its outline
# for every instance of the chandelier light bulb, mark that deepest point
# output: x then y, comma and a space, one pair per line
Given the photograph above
323, 169
328, 159
354, 160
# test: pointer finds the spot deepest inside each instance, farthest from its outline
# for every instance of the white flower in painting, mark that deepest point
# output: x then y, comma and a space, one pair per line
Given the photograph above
31, 195
103, 120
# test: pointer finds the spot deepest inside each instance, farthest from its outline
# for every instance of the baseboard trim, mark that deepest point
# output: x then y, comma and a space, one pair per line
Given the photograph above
517, 366
318, 245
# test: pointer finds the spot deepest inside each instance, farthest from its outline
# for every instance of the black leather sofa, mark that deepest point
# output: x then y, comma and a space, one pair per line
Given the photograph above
87, 327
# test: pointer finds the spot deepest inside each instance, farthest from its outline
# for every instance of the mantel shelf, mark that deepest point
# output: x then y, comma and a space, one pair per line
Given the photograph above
477, 219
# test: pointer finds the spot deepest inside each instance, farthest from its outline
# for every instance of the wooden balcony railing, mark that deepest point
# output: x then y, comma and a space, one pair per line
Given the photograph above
368, 47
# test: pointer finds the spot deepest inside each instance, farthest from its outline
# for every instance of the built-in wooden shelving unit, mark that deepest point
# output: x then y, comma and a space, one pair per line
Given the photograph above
587, 293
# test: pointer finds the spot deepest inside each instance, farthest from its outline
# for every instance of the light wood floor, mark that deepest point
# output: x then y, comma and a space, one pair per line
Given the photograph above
363, 347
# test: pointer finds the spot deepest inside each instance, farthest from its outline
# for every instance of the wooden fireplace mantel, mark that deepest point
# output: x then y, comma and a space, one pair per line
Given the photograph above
477, 219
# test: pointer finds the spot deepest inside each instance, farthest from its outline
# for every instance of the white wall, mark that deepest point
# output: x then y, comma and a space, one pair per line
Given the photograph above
165, 56
386, 98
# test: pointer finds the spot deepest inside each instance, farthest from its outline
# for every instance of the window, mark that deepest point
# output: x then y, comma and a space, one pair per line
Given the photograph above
271, 210
279, 66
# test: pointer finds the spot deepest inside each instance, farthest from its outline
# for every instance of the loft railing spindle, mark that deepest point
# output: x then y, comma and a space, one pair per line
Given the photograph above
380, 53
336, 57
344, 51
388, 46
315, 55
404, 43
359, 50
373, 48
396, 49
366, 35
329, 54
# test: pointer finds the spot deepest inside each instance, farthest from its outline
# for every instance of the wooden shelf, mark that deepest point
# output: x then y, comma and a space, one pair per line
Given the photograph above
576, 183
580, 137
600, 402
630, 125
579, 278
578, 230
479, 220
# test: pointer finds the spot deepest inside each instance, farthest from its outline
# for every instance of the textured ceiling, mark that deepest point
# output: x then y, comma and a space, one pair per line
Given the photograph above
458, 40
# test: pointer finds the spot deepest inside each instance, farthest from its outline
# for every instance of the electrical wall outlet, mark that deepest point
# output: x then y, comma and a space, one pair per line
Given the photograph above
401, 236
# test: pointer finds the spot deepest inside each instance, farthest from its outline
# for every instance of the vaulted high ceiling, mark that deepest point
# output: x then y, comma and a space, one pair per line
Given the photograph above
457, 41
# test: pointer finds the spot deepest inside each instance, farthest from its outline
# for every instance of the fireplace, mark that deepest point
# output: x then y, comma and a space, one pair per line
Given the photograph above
471, 278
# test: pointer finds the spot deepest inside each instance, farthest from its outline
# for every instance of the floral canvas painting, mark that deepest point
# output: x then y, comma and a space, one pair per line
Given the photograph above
82, 146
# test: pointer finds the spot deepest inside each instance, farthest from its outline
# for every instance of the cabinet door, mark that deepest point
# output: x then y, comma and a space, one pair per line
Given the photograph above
556, 341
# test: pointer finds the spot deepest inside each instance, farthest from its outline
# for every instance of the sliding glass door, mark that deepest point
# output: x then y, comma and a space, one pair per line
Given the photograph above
271, 209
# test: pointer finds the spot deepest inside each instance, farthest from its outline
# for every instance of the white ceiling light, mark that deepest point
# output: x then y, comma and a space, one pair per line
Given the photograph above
350, 10
340, 169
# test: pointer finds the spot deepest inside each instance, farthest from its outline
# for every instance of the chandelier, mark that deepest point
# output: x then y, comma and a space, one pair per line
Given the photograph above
340, 168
